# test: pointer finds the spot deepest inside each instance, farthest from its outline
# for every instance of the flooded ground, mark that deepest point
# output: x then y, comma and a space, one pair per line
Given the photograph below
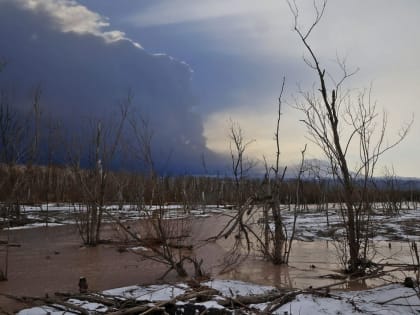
52, 259
315, 263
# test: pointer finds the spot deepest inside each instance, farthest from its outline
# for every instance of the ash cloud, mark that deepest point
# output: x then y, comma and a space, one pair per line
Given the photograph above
85, 70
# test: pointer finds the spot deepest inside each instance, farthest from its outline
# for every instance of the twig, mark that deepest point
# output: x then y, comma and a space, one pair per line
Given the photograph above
396, 298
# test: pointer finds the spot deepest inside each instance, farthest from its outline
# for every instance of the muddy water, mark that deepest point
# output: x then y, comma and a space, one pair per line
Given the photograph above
51, 259
318, 263
312, 264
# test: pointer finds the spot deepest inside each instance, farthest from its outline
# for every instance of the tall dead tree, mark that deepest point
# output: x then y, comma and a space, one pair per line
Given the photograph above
275, 240
13, 135
339, 122
102, 148
241, 164
266, 233
164, 236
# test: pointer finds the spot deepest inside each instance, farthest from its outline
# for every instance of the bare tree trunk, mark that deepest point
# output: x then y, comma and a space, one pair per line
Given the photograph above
326, 118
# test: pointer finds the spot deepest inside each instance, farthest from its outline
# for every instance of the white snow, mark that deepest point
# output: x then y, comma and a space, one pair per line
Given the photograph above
90, 306
311, 223
392, 299
232, 288
42, 310
211, 304
59, 214
32, 226
150, 293
312, 305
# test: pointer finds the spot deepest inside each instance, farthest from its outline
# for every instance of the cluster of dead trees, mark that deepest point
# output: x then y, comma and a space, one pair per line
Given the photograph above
338, 121
61, 185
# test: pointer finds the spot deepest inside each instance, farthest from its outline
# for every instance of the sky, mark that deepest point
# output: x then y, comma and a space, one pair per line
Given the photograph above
192, 67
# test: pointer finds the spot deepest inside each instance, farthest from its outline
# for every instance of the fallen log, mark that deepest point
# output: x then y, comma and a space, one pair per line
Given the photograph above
197, 294
375, 275
55, 303
133, 310
251, 299
67, 307
291, 295
397, 298
146, 309
277, 303
88, 297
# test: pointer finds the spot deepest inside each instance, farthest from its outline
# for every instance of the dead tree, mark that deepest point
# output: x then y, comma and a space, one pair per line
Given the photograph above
141, 147
339, 121
102, 149
275, 239
266, 233
16, 142
165, 237
241, 164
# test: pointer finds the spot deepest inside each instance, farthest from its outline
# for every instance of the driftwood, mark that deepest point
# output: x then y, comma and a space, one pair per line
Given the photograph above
314, 290
251, 299
95, 298
397, 298
52, 302
60, 304
371, 276
66, 306
277, 303
146, 309
133, 310
117, 306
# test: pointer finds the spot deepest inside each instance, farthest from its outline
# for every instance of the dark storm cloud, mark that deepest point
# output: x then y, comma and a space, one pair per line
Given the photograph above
85, 71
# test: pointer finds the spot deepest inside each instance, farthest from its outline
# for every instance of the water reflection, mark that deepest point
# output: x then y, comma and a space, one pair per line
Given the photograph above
52, 260
317, 264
